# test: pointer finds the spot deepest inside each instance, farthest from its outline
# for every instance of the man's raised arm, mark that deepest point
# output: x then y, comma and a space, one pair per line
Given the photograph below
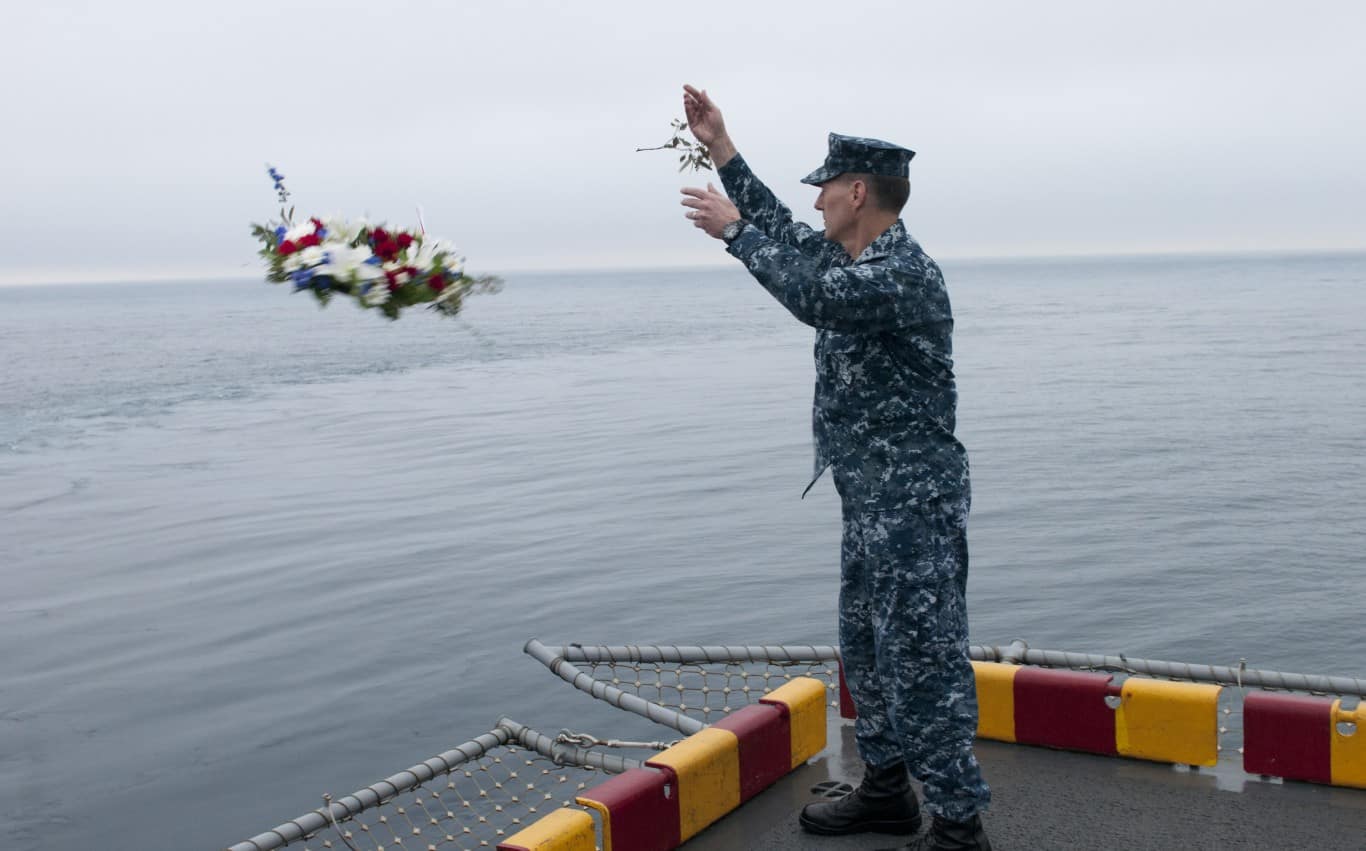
755, 201
707, 125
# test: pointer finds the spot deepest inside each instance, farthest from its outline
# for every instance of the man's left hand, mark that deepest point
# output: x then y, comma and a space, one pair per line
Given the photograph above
711, 210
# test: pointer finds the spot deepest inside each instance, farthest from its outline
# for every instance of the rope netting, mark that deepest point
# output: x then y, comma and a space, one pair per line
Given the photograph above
471, 797
709, 691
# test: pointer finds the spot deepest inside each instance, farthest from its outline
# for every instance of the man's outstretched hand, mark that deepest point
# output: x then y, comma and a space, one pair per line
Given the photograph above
703, 117
707, 126
711, 211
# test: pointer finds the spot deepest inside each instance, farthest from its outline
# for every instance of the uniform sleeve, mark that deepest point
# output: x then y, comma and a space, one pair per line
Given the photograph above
758, 205
867, 298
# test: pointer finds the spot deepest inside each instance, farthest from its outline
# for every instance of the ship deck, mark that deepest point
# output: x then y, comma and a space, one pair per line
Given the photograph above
1045, 800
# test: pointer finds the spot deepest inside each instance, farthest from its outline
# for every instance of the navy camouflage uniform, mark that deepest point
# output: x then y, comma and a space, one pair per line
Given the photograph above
883, 421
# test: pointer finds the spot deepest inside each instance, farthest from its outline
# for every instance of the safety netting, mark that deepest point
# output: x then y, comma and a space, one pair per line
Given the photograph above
469, 797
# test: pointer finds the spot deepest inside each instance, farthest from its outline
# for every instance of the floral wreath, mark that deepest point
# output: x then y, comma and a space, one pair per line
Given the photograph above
381, 268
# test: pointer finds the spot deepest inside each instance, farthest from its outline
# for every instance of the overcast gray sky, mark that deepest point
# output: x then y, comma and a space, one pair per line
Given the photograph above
136, 132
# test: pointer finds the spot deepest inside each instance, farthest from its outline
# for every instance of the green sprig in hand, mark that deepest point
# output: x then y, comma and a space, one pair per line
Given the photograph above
693, 153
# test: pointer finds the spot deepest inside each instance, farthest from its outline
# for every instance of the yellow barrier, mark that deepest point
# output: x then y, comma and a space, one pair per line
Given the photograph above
1349, 751
995, 700
804, 698
562, 830
604, 819
1168, 722
707, 765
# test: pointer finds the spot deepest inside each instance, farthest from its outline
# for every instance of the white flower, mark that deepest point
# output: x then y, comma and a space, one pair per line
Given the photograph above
420, 255
342, 230
428, 252
348, 264
298, 232
310, 256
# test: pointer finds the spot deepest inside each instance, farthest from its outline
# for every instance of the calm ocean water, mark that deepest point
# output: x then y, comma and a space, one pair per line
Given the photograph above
253, 552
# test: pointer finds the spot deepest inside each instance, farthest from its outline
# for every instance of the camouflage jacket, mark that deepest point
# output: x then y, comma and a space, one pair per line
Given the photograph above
884, 411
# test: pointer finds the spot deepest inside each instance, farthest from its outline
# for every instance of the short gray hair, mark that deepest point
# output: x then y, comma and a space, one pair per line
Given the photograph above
889, 194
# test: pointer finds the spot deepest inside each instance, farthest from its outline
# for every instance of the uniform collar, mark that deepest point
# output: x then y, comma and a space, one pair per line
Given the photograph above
890, 239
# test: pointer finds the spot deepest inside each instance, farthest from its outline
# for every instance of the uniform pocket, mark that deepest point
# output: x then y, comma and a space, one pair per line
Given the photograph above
922, 544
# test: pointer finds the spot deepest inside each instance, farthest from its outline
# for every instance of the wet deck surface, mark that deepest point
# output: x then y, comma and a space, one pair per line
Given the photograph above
1045, 800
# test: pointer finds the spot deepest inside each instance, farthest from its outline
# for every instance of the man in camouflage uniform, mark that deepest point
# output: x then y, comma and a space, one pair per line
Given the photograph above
883, 420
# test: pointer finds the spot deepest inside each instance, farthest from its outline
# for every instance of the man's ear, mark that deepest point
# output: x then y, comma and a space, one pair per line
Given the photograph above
858, 194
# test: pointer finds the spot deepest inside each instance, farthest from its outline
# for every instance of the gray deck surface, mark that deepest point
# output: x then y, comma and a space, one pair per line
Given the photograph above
1044, 799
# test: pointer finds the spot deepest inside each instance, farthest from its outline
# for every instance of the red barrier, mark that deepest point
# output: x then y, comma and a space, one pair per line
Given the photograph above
639, 814
847, 709
1288, 735
1065, 709
765, 734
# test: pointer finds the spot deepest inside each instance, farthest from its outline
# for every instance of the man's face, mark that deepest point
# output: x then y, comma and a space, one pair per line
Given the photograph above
836, 203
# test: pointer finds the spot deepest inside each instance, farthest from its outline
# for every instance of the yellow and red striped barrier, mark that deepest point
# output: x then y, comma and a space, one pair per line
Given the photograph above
1297, 737
692, 784
689, 786
704, 770
1292, 736
802, 700
1082, 711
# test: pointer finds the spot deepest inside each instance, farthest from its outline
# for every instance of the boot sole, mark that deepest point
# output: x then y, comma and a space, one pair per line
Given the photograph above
896, 828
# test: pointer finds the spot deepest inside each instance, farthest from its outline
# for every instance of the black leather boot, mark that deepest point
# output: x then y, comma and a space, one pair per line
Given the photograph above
950, 836
883, 803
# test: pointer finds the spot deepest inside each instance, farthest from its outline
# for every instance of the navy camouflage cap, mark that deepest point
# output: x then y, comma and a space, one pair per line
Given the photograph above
863, 156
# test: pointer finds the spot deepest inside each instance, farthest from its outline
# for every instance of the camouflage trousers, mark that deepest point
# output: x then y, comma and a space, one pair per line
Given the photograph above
904, 640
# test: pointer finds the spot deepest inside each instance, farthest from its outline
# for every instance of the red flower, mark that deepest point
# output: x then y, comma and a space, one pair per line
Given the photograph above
404, 240
317, 224
287, 248
437, 282
378, 235
309, 241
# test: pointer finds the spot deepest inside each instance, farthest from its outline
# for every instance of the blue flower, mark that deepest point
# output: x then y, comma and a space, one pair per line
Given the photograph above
280, 234
279, 179
301, 278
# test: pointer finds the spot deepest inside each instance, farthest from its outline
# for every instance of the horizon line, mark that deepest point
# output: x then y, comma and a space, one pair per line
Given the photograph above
114, 277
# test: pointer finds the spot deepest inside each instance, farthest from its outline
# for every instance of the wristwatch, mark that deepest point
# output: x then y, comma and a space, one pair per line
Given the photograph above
732, 230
